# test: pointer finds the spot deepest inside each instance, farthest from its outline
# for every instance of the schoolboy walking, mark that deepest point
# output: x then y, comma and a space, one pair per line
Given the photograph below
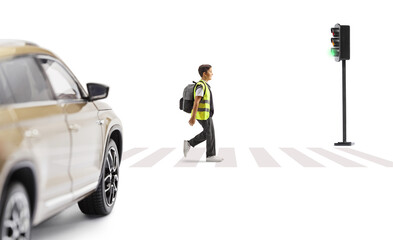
203, 111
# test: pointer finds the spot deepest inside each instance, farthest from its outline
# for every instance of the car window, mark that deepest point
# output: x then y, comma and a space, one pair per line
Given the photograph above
5, 93
63, 84
25, 80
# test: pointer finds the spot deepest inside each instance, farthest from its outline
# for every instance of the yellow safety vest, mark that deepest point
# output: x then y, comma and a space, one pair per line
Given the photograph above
203, 112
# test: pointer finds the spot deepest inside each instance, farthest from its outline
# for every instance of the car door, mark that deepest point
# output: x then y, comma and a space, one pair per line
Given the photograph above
83, 123
43, 125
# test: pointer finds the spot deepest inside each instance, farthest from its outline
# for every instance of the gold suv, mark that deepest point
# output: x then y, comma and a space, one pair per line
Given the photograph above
58, 144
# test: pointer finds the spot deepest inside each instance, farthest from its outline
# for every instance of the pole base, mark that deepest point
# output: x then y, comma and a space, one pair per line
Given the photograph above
344, 144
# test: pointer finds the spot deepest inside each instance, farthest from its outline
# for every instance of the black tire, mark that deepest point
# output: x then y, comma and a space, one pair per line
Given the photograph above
102, 201
15, 213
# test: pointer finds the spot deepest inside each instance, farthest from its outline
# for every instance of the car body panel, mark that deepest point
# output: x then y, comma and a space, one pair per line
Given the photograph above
87, 142
13, 147
102, 106
44, 127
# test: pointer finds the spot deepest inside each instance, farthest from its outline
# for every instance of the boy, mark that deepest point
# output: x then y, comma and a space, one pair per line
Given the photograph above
203, 111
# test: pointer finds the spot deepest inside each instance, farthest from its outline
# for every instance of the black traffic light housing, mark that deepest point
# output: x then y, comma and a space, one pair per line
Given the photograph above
341, 42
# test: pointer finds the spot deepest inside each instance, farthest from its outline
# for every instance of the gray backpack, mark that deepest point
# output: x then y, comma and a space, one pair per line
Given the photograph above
187, 101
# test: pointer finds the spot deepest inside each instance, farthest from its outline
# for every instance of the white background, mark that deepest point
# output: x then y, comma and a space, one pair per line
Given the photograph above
274, 80
274, 83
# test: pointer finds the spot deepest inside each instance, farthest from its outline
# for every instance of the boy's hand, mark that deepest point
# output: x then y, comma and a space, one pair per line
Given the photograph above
191, 121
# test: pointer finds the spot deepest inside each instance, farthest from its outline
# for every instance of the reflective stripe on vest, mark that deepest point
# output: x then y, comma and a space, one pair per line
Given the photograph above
203, 112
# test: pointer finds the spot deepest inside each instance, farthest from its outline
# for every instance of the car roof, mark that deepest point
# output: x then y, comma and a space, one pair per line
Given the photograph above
13, 48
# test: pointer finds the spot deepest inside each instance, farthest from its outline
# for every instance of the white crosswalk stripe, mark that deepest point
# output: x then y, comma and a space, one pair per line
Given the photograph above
301, 158
244, 158
192, 159
281, 157
313, 155
362, 158
345, 162
171, 159
137, 157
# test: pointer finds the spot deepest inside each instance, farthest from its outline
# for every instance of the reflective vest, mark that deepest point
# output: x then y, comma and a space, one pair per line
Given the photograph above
203, 112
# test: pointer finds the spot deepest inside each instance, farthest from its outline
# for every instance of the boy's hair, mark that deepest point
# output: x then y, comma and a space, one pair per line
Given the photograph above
203, 68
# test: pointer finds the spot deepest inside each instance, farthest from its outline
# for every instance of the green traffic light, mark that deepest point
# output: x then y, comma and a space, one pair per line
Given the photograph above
334, 52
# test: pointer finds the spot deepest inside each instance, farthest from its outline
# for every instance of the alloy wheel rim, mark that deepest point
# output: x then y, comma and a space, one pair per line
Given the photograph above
16, 224
111, 179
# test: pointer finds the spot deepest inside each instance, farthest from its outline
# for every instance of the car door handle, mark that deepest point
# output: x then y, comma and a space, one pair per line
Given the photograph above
32, 133
74, 127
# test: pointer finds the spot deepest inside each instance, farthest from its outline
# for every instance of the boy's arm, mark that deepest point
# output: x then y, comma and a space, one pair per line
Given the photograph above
194, 110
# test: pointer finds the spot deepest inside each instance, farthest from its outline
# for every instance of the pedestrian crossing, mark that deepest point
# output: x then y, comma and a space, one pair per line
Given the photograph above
301, 158
256, 157
345, 162
263, 158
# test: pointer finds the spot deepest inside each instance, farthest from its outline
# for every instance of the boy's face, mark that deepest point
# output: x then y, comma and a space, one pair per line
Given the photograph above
208, 75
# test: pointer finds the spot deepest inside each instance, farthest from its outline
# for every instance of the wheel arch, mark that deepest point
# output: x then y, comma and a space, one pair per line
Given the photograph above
23, 172
115, 133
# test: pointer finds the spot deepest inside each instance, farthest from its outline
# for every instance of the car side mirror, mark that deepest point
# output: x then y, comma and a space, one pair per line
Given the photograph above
97, 91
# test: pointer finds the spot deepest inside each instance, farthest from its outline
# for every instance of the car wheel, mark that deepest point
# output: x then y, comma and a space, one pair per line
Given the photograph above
15, 214
101, 202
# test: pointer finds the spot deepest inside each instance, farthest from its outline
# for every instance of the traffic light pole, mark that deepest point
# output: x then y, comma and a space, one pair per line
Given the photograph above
344, 142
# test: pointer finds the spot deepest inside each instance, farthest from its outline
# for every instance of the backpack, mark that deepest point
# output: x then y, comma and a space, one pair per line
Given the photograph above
187, 101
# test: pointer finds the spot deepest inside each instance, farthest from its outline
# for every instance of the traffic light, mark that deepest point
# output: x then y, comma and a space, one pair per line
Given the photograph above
340, 41
340, 51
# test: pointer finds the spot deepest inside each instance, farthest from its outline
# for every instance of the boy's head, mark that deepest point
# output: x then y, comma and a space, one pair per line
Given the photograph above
205, 71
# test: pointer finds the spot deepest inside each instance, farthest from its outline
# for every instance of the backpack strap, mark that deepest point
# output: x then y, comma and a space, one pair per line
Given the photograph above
204, 91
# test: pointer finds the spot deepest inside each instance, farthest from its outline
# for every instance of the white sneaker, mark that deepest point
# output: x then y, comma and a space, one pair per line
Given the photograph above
214, 159
186, 148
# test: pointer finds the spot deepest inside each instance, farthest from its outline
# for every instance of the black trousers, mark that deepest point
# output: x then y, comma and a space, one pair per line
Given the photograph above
206, 135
